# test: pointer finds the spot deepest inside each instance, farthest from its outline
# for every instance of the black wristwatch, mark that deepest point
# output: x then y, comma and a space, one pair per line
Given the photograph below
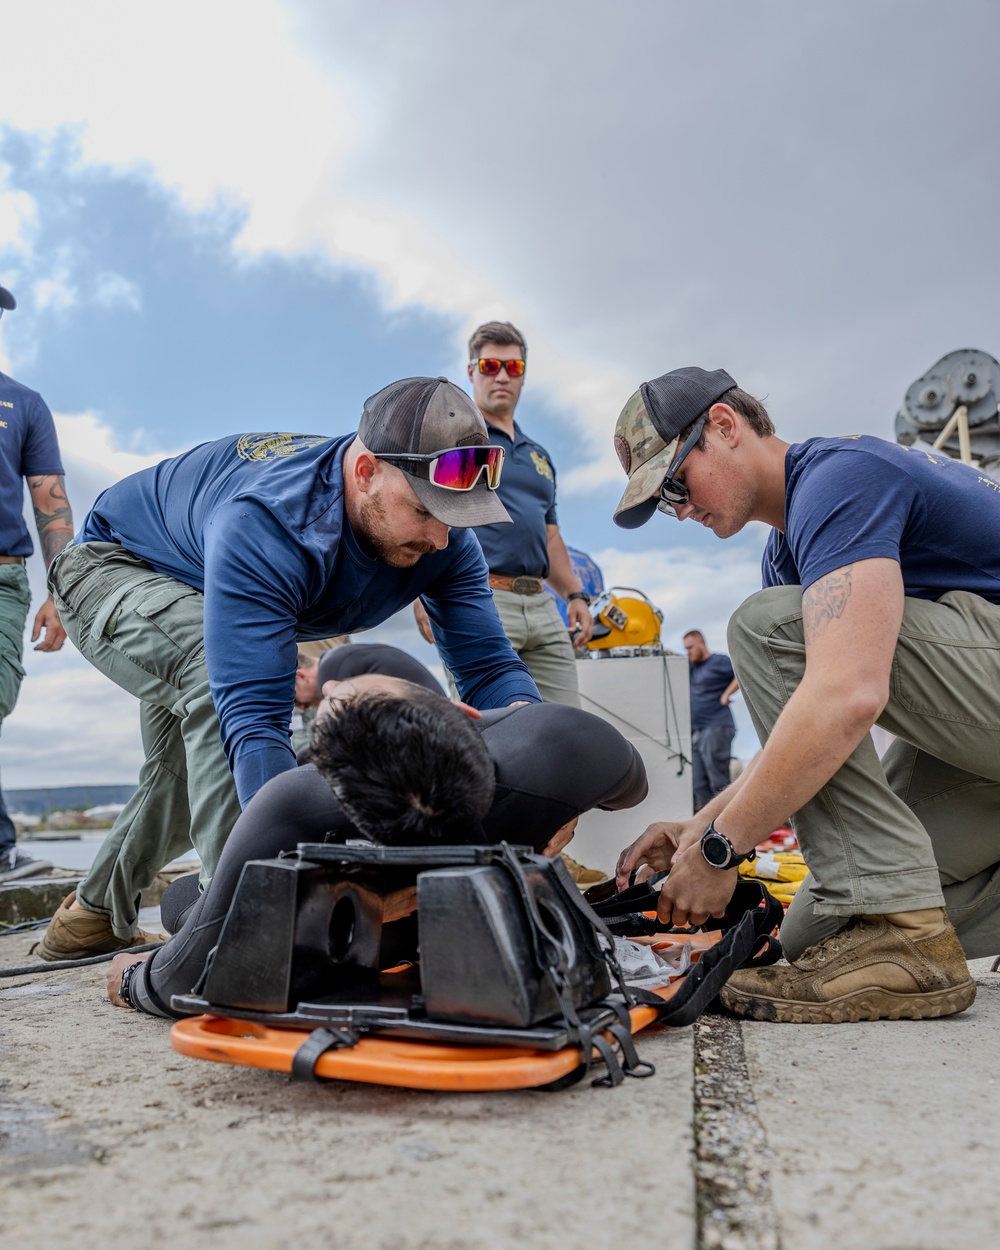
718, 851
578, 594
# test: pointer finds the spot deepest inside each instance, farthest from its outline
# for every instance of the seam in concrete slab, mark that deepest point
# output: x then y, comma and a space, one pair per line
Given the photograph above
732, 1158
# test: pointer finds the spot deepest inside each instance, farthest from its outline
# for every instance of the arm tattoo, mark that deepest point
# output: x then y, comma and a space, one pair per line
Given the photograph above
825, 601
53, 517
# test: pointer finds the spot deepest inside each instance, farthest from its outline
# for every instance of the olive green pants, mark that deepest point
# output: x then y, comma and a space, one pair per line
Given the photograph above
921, 827
145, 631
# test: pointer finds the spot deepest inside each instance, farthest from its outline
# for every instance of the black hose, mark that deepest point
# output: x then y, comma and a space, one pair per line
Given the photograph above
24, 927
59, 964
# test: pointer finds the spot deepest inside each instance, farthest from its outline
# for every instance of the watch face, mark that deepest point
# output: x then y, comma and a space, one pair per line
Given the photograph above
715, 851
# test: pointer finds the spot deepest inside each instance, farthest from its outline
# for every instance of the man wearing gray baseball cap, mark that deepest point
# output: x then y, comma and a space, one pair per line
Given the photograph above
190, 585
881, 605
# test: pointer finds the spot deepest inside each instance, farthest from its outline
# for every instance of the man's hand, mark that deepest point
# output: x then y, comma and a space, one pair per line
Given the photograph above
423, 622
581, 623
116, 969
694, 890
48, 620
656, 848
560, 839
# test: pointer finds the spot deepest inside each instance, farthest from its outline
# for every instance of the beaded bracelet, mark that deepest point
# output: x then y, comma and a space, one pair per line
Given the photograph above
125, 989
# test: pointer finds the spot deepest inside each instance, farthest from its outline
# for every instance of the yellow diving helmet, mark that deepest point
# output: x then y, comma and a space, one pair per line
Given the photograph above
624, 617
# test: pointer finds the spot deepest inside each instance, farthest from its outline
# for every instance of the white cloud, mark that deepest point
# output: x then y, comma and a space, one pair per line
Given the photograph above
774, 223
694, 588
112, 290
71, 726
86, 440
56, 292
272, 141
18, 222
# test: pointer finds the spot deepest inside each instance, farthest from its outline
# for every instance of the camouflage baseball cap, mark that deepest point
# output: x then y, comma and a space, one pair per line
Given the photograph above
648, 429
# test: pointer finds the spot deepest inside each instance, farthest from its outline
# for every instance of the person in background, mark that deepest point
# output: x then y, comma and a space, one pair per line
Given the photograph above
523, 557
307, 690
29, 450
339, 663
713, 683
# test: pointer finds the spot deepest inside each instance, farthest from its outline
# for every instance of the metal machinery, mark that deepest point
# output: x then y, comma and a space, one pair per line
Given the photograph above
954, 408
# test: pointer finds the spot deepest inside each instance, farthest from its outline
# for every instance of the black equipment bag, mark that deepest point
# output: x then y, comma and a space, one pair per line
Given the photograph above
480, 945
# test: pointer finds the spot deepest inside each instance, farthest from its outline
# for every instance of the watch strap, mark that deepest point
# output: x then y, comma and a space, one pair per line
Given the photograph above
735, 859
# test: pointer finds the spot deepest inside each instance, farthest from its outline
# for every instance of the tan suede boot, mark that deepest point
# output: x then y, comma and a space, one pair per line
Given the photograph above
583, 876
77, 934
908, 964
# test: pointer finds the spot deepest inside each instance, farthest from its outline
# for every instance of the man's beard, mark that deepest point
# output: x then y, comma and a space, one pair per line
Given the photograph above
375, 535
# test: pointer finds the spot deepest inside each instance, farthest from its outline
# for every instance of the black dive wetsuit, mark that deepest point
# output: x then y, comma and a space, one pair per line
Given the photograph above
552, 763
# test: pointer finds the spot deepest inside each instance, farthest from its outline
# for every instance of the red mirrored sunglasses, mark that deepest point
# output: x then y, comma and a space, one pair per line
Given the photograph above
491, 367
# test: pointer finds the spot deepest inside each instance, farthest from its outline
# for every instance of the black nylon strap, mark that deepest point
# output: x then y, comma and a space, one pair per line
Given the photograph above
316, 1044
704, 981
615, 1075
632, 1064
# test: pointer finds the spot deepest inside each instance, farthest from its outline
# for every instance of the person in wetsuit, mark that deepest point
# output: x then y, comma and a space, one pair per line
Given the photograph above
411, 768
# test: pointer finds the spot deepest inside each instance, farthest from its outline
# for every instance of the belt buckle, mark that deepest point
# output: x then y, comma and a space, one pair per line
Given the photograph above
525, 586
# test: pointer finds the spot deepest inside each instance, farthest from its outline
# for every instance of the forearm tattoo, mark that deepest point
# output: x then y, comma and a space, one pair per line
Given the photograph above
53, 517
825, 601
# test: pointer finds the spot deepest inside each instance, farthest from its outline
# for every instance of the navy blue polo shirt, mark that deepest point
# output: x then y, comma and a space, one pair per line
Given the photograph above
528, 491
709, 679
860, 498
28, 448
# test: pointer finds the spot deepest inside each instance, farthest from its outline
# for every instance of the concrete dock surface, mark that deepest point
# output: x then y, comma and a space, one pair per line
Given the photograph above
876, 1136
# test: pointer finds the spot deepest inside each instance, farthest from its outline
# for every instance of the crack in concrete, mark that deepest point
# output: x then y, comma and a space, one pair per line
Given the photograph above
732, 1157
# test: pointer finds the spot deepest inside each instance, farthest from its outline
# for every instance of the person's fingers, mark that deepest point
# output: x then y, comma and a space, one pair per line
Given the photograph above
623, 869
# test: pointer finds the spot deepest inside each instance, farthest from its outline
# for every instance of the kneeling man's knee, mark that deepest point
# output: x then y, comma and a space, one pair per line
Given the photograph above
757, 617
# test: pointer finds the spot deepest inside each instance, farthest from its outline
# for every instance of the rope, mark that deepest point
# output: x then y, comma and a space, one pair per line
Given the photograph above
644, 733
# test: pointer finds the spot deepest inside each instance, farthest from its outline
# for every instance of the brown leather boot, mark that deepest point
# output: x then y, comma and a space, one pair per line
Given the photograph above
77, 934
908, 964
583, 876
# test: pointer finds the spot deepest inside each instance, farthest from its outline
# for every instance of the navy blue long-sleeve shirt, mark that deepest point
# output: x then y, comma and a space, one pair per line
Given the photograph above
257, 523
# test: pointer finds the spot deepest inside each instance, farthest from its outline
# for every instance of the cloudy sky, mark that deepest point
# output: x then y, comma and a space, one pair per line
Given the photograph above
238, 216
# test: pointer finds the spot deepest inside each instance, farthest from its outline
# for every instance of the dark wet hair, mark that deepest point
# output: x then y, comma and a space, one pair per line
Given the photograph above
407, 770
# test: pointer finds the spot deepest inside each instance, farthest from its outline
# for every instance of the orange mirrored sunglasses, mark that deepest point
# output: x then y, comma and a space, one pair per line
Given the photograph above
491, 367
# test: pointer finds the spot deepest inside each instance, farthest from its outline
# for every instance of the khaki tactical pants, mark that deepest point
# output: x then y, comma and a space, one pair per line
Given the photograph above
537, 633
145, 631
921, 827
